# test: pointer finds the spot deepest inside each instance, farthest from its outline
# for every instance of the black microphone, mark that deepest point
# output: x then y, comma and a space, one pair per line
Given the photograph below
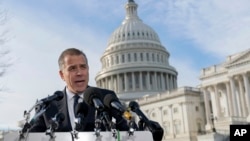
82, 109
154, 127
93, 97
58, 95
134, 106
111, 101
81, 112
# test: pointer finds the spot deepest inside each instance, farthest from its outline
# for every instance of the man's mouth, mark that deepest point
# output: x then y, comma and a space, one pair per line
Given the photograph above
79, 81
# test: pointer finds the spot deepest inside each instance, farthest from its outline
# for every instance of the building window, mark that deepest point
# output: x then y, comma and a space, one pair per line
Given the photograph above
141, 56
147, 55
196, 108
177, 127
135, 57
123, 58
117, 60
153, 115
165, 112
112, 60
129, 58
175, 110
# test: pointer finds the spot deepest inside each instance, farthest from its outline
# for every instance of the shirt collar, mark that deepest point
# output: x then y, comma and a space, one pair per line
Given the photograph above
70, 95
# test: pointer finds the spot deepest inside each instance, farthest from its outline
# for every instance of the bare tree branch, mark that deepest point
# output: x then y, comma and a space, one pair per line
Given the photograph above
5, 61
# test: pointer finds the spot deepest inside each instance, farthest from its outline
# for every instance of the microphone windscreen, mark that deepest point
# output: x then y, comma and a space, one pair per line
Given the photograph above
60, 117
59, 95
82, 108
133, 105
108, 99
90, 93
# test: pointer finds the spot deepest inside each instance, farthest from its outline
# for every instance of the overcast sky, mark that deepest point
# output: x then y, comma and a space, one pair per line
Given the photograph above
196, 33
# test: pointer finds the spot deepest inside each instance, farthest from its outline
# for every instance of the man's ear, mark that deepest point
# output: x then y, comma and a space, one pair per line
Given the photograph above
61, 74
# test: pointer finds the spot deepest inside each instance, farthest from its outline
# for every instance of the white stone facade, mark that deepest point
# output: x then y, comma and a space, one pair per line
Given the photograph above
180, 112
226, 91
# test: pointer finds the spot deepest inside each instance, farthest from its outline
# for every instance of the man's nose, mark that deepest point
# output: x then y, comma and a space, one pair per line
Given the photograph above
79, 71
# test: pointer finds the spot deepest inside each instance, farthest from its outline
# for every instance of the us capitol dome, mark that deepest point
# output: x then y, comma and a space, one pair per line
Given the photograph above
135, 63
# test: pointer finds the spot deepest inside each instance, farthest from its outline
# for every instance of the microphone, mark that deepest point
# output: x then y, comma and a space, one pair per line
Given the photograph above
152, 126
134, 106
58, 95
81, 112
93, 98
111, 101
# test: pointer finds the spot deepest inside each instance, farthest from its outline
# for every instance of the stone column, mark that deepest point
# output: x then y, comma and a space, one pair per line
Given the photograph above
207, 108
140, 81
126, 81
167, 81
234, 100
133, 81
118, 81
162, 82
170, 82
214, 110
112, 82
148, 81
171, 120
155, 81
104, 82
182, 119
246, 84
174, 82
241, 98
217, 102
229, 99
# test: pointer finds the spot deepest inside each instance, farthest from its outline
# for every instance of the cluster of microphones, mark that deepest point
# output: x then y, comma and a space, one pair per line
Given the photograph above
102, 104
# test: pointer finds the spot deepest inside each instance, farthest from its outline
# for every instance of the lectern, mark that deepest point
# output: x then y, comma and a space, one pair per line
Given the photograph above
82, 136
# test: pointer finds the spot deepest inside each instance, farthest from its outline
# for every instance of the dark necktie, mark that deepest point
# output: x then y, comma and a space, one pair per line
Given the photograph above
76, 98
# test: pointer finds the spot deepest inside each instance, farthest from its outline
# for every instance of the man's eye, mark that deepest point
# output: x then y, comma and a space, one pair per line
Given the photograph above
83, 66
72, 68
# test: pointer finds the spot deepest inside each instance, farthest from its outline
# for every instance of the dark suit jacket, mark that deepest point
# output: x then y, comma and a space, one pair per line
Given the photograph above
60, 106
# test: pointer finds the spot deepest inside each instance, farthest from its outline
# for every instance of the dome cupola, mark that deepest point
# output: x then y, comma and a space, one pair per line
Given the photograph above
135, 63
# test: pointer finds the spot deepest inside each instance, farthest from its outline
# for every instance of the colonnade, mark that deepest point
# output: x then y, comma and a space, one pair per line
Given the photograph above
235, 92
139, 81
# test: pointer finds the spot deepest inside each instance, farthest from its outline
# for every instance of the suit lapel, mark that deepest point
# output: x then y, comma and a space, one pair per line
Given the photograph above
63, 108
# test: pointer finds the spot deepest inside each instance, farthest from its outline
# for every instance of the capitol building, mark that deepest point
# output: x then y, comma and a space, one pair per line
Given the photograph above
136, 66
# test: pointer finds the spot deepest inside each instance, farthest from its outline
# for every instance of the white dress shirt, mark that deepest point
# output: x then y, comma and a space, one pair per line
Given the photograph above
70, 100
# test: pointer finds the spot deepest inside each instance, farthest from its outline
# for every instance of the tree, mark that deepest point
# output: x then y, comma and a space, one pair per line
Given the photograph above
4, 51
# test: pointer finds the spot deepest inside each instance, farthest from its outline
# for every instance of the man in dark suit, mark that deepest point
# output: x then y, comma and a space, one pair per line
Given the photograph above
74, 70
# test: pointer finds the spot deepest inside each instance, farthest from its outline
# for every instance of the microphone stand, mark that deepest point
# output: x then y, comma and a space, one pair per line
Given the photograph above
78, 122
109, 125
54, 125
27, 125
98, 123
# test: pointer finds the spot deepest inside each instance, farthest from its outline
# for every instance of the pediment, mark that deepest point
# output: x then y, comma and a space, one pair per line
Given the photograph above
238, 58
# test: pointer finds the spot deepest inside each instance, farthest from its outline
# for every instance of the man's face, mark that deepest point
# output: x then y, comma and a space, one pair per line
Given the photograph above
75, 73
